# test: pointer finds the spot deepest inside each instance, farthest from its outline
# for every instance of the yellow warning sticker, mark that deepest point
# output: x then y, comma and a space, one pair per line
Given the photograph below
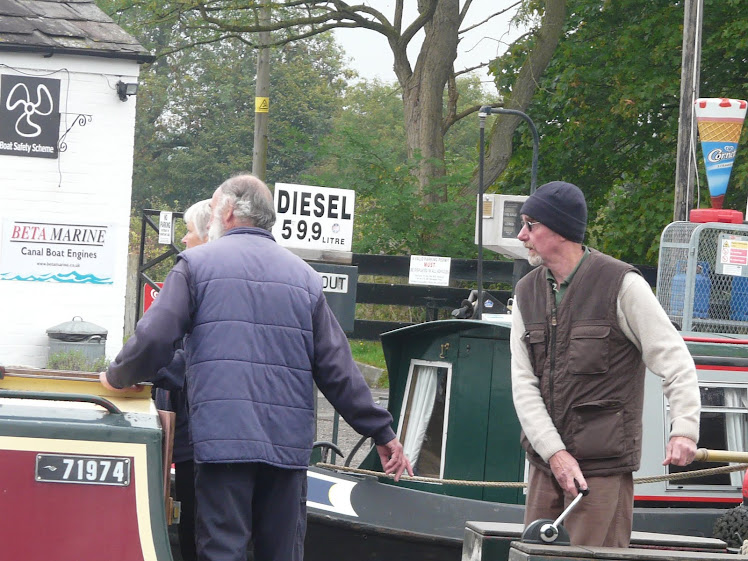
262, 104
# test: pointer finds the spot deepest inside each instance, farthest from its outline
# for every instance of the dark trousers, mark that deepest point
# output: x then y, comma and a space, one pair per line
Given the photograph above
184, 483
602, 518
237, 503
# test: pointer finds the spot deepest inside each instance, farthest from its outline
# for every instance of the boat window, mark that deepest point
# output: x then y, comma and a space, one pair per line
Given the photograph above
724, 426
422, 422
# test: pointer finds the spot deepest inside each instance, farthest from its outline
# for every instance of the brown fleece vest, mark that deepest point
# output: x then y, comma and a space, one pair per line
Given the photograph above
591, 375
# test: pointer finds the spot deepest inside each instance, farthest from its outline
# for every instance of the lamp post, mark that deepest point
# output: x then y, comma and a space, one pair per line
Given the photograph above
482, 114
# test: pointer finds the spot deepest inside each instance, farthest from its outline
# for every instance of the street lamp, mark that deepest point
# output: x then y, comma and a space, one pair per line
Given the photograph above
483, 112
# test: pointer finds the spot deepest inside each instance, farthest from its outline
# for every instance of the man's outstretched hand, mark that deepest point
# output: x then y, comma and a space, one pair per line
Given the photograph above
105, 382
393, 458
680, 451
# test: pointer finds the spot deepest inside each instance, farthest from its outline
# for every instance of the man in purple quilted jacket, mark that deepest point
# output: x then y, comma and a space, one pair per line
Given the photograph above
260, 335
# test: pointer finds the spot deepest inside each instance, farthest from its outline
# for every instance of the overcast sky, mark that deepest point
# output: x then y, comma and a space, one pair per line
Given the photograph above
371, 57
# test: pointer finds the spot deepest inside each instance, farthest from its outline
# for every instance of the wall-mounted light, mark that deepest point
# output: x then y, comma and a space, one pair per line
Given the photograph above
126, 89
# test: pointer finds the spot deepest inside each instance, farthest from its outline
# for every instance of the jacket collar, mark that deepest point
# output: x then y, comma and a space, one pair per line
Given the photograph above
250, 230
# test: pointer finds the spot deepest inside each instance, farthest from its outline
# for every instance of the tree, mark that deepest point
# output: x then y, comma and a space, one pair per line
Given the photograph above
366, 151
196, 117
422, 84
607, 113
528, 59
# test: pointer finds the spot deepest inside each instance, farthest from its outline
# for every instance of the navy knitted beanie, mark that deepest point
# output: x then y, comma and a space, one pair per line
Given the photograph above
561, 207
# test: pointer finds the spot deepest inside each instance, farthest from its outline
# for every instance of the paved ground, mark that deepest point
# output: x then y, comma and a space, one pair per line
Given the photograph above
347, 437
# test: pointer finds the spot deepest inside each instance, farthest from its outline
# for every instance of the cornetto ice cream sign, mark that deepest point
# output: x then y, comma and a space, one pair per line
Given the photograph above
48, 252
29, 116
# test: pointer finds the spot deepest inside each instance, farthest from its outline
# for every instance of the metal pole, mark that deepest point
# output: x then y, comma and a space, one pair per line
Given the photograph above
479, 274
535, 141
685, 168
136, 315
482, 114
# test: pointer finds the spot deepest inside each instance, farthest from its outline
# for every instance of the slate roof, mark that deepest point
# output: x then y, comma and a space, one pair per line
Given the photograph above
76, 27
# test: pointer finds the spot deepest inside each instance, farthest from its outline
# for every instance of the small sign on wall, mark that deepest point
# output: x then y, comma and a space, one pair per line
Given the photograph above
165, 228
52, 252
29, 116
150, 294
429, 270
733, 255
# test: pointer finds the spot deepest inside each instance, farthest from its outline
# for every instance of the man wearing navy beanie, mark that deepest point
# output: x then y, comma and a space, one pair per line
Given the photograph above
561, 207
585, 327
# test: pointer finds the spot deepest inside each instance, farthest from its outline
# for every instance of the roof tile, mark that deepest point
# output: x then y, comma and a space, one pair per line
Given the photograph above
88, 12
71, 24
15, 25
13, 8
54, 10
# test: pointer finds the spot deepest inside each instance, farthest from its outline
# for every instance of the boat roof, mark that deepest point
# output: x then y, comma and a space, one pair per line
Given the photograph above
476, 328
43, 381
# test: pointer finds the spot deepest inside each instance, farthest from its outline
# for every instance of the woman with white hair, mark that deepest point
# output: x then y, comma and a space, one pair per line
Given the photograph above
171, 396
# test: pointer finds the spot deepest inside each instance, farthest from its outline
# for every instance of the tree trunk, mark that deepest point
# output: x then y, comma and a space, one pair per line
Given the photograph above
500, 138
423, 90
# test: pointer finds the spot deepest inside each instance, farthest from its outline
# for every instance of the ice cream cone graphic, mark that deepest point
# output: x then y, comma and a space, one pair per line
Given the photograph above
720, 121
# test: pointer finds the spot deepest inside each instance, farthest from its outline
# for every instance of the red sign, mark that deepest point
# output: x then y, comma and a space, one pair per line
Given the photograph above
149, 295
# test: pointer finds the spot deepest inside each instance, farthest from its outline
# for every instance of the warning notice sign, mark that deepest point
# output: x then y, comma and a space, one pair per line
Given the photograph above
429, 270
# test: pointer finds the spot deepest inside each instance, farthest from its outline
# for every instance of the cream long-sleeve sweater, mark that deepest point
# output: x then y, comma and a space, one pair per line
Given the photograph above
664, 352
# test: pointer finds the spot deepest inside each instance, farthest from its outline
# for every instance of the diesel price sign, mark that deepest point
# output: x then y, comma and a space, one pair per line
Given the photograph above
311, 217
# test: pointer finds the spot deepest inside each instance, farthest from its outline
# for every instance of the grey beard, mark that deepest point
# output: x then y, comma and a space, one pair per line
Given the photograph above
535, 260
215, 230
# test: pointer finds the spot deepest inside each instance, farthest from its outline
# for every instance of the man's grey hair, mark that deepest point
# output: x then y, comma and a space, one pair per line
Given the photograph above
199, 215
251, 199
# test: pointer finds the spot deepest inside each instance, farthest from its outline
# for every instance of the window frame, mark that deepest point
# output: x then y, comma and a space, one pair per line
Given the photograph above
705, 383
414, 363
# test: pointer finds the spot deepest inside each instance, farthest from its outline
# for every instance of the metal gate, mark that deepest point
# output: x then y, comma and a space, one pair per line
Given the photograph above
148, 226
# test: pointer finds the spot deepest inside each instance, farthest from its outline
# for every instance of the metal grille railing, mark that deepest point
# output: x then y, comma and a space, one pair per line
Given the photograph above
702, 279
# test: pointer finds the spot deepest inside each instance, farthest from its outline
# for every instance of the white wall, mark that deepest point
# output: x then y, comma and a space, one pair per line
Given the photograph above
90, 183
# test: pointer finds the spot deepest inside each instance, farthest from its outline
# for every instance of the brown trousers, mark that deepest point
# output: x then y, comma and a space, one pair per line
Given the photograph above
602, 518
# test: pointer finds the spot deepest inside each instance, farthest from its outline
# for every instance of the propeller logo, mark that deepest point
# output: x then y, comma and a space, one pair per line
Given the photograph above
42, 106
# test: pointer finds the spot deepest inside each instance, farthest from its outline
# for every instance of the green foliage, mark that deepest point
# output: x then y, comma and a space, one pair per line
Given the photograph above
196, 118
368, 352
607, 113
196, 106
366, 151
76, 361
204, 133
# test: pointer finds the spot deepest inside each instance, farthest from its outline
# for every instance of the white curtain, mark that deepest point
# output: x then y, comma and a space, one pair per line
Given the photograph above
736, 425
422, 405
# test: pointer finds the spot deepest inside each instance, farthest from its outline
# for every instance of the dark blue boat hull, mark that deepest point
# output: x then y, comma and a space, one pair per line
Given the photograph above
352, 518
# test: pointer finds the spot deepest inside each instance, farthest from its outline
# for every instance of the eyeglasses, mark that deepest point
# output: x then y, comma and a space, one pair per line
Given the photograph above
530, 225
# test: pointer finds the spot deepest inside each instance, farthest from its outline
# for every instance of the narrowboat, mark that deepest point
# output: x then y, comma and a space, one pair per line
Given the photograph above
82, 472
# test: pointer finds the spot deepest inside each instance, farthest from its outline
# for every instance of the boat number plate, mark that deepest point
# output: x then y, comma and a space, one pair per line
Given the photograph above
91, 470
